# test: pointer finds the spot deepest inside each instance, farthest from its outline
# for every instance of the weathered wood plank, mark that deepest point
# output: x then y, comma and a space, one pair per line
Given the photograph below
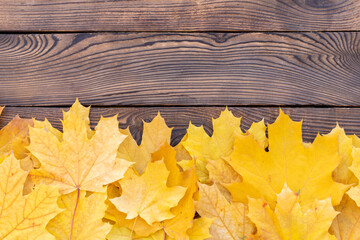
145, 69
179, 15
316, 120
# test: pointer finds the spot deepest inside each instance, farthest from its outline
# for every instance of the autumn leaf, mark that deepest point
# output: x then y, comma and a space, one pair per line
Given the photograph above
184, 212
151, 199
220, 172
159, 235
354, 192
81, 159
20, 215
200, 229
343, 173
119, 232
346, 225
203, 148
168, 155
155, 134
137, 227
230, 221
130, 151
290, 220
307, 170
81, 217
15, 137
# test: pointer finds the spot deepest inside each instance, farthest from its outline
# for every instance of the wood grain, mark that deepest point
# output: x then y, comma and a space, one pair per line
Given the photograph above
180, 69
180, 15
315, 120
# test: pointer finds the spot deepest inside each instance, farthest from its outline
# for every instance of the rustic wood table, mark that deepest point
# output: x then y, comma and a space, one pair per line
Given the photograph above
187, 59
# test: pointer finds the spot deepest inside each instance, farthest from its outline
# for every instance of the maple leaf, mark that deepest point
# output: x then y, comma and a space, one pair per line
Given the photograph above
151, 199
15, 137
221, 173
306, 169
136, 228
290, 220
346, 225
200, 229
155, 134
81, 159
184, 211
119, 232
203, 148
167, 154
81, 217
230, 221
20, 215
342, 173
159, 235
354, 192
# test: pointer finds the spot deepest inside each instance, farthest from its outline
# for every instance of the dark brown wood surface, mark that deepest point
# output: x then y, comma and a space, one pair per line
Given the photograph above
180, 15
181, 69
315, 120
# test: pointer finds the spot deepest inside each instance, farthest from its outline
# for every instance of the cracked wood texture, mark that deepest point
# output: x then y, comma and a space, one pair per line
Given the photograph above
181, 69
315, 120
180, 15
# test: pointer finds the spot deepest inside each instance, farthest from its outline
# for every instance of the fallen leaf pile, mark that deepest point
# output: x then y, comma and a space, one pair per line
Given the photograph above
99, 184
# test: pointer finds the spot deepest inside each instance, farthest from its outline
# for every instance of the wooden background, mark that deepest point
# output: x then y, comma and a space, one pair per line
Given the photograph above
185, 58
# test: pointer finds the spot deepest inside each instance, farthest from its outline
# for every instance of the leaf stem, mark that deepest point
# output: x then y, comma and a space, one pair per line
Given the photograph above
73, 217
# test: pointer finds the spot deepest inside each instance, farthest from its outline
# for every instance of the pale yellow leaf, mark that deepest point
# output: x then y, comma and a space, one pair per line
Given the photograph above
290, 220
200, 229
231, 221
82, 159
151, 199
23, 217
81, 217
346, 225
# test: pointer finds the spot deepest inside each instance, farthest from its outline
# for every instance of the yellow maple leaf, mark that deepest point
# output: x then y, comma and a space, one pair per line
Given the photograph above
342, 173
83, 159
346, 225
200, 229
151, 199
221, 172
230, 221
355, 140
130, 151
184, 212
119, 232
137, 227
15, 137
159, 235
354, 192
23, 217
203, 148
305, 169
81, 217
155, 134
168, 155
290, 220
